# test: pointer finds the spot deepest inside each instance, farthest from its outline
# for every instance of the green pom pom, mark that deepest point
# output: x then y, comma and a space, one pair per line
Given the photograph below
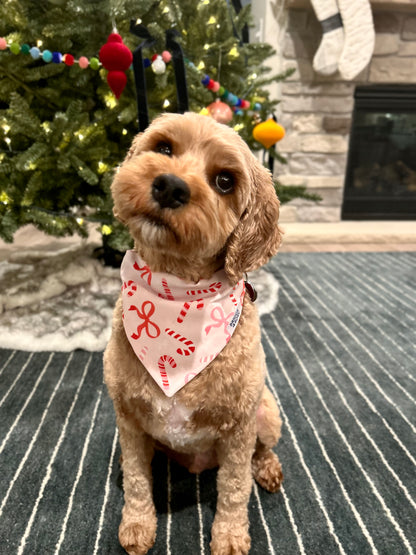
25, 49
15, 48
94, 63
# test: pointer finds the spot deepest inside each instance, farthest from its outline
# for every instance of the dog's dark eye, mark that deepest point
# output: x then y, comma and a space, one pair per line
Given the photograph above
164, 148
224, 183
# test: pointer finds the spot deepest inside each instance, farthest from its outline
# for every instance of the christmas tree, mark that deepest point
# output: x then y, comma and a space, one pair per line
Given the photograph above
62, 130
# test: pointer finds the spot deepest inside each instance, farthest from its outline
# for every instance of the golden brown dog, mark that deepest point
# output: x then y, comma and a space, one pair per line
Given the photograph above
213, 208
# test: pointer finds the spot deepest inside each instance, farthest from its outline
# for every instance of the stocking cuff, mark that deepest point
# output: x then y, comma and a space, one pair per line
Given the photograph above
331, 23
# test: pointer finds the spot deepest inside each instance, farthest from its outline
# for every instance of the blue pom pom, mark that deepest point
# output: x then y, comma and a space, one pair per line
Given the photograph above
205, 80
257, 107
56, 57
147, 63
35, 52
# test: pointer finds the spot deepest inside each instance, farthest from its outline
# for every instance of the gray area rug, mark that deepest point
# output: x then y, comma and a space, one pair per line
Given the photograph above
340, 348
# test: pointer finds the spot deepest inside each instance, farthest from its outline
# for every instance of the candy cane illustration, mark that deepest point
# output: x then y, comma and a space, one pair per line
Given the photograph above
143, 353
187, 306
130, 284
207, 358
168, 293
211, 289
187, 342
162, 368
232, 297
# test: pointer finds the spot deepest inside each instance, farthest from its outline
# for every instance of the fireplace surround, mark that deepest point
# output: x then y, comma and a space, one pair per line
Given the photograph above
381, 165
320, 114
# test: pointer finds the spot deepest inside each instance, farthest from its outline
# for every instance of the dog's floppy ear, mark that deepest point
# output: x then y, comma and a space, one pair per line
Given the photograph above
257, 236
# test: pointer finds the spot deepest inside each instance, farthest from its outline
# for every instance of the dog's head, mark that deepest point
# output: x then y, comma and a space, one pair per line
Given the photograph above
190, 188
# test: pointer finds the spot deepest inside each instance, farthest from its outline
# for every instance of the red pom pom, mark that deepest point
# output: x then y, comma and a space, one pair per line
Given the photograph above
154, 57
211, 84
114, 55
69, 59
117, 81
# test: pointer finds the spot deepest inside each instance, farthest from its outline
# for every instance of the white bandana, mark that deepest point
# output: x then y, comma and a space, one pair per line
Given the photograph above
177, 328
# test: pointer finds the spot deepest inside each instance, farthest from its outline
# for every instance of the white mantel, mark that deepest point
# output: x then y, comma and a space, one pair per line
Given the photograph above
385, 5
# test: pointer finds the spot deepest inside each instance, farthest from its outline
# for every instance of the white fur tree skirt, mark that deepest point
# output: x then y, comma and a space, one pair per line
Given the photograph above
63, 300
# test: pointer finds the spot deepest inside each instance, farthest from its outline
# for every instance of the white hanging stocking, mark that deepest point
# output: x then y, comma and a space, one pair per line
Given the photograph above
326, 58
359, 37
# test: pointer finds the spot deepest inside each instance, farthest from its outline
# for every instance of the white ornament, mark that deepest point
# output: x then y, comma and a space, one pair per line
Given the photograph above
159, 66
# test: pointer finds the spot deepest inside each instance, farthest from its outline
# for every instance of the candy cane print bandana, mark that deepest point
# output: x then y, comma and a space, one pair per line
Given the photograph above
177, 328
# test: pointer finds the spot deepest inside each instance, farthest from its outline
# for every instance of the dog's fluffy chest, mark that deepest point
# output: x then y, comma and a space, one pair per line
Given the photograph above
172, 424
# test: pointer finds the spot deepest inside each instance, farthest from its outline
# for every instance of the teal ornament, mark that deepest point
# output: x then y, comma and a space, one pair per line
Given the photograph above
25, 49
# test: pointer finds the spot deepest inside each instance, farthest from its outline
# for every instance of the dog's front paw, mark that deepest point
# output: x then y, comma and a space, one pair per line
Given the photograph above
267, 471
230, 539
137, 536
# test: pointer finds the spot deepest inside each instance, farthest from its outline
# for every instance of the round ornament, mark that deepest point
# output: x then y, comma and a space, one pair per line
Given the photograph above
267, 133
114, 55
3, 43
220, 111
158, 66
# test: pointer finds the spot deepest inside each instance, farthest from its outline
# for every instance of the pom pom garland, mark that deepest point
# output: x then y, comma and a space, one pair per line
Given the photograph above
114, 54
239, 104
47, 56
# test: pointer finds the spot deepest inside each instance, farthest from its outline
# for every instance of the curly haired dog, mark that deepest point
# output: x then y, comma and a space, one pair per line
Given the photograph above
196, 202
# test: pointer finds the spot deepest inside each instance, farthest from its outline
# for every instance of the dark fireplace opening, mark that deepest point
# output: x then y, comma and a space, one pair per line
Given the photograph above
380, 181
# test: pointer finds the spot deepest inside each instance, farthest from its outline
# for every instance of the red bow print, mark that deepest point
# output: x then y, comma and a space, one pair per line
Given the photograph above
146, 312
145, 271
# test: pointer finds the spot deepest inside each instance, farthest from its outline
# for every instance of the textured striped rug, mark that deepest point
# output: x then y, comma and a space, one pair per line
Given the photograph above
341, 359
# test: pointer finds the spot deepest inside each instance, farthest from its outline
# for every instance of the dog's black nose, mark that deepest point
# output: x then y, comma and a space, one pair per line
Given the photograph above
170, 191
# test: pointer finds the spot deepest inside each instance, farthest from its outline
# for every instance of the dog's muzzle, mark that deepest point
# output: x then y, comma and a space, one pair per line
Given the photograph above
170, 191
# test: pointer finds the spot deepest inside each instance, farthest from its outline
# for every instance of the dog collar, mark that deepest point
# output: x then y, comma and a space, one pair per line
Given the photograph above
177, 328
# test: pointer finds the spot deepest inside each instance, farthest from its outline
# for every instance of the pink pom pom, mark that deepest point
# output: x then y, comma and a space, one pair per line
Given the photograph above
166, 56
83, 62
3, 44
215, 87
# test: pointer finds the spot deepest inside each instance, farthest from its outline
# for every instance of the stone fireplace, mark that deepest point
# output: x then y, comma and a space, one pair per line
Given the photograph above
317, 111
380, 180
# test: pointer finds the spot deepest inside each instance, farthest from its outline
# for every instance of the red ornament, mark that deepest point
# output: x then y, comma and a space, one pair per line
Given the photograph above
220, 111
117, 58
